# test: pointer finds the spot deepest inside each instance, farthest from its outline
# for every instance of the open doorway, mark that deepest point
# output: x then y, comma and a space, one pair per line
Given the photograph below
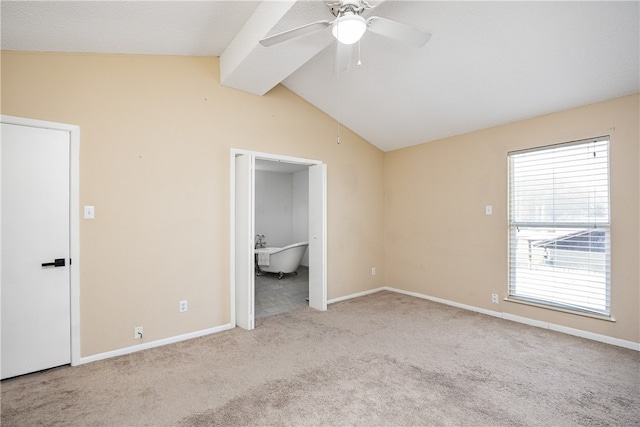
246, 168
281, 220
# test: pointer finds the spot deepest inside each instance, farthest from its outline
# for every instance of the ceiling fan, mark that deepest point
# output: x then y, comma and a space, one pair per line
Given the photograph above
349, 26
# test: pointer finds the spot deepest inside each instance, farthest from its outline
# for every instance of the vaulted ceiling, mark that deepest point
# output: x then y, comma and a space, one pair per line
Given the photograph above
486, 64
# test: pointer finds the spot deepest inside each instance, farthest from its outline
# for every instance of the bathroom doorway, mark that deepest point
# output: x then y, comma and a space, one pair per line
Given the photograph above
246, 169
281, 219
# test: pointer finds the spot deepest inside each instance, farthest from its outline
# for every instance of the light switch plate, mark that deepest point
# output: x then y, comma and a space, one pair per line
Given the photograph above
488, 210
89, 212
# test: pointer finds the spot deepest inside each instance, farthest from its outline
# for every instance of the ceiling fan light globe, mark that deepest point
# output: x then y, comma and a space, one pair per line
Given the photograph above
349, 28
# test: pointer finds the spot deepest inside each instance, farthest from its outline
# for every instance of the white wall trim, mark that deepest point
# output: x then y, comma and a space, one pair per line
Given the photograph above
506, 316
260, 155
74, 218
575, 332
356, 295
153, 344
232, 237
448, 302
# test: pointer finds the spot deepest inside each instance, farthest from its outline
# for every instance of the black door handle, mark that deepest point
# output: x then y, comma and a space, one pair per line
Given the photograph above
58, 262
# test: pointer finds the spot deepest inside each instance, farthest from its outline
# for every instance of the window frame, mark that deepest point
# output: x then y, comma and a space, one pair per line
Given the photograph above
514, 225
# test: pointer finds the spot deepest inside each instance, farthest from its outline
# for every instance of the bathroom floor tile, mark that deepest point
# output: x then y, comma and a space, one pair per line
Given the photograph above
275, 296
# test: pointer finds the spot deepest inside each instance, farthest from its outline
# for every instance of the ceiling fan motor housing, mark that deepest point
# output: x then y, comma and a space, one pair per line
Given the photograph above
354, 6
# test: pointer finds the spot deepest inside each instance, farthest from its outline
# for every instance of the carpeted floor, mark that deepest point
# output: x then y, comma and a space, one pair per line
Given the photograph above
384, 359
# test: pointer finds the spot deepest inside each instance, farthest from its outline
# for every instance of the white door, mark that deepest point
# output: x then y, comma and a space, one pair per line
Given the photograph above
36, 324
317, 237
244, 240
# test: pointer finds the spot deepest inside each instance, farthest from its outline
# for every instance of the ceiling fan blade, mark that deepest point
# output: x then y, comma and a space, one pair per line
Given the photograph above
343, 56
397, 31
294, 33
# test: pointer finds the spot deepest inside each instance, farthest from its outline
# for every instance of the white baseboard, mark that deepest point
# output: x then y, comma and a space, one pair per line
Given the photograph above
507, 316
575, 332
356, 295
152, 344
447, 302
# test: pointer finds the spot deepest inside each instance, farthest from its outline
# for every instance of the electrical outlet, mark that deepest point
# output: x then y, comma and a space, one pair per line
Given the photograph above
183, 306
494, 298
373, 271
137, 332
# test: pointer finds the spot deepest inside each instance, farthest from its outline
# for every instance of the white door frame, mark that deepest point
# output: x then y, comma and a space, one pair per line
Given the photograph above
74, 220
232, 244
243, 238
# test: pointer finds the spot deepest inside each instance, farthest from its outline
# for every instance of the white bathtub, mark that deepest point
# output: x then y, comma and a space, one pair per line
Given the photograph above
281, 260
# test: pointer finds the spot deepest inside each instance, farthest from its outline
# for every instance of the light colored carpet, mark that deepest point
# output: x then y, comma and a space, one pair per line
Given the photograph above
384, 359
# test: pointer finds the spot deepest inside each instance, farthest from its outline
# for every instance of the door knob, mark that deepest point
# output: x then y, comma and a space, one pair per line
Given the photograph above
58, 262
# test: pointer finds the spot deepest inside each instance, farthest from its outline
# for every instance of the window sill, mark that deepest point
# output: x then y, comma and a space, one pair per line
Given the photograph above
563, 310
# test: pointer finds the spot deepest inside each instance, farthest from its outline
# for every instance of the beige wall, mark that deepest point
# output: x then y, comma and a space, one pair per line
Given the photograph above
156, 134
440, 243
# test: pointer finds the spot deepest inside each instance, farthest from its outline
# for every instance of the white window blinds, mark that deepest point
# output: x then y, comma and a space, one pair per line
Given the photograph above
559, 253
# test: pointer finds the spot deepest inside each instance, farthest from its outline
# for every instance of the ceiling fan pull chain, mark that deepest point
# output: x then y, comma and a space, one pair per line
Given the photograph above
338, 98
359, 62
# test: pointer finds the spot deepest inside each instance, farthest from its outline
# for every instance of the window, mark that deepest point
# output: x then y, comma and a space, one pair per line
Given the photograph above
559, 254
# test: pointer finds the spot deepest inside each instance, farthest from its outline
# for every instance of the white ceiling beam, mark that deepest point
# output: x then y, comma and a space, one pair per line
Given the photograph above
247, 65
